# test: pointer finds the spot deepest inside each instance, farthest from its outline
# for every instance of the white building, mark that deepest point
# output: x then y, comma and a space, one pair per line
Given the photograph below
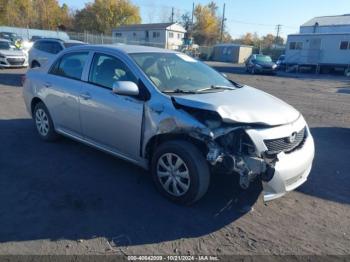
323, 42
164, 35
232, 53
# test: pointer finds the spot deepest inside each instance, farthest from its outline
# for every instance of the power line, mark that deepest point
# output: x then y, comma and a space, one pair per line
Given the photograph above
258, 24
278, 29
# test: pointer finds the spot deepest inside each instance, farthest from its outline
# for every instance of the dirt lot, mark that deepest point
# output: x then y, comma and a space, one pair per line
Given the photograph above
66, 198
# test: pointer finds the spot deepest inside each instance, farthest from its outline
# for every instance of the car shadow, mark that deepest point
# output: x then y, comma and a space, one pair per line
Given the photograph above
66, 190
10, 79
330, 178
344, 90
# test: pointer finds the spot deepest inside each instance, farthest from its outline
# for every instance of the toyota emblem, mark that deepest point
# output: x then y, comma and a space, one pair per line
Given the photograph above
292, 137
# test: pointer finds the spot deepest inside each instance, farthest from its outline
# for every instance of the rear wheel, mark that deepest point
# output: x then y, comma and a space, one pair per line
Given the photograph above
180, 171
43, 122
35, 64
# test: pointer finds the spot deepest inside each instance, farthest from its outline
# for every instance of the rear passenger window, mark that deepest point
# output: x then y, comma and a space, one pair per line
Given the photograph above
70, 65
55, 48
45, 46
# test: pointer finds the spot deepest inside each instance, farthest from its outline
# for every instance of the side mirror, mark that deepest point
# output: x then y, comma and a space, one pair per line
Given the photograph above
125, 88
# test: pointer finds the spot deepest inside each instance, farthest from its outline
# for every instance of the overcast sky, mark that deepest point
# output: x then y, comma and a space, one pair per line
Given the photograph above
243, 16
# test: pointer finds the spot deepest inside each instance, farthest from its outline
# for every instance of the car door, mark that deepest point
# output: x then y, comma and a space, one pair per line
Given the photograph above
251, 62
63, 89
48, 51
110, 120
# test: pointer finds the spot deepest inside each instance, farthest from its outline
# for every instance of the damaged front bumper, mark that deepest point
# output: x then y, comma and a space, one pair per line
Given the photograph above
291, 170
280, 172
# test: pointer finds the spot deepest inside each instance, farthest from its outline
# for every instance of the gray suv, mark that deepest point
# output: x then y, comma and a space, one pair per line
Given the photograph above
44, 50
173, 115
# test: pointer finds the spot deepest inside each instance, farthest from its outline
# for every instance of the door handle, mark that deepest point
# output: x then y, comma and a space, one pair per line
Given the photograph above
85, 96
47, 84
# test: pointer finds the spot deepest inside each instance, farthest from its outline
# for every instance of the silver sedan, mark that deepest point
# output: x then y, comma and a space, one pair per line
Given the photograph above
173, 115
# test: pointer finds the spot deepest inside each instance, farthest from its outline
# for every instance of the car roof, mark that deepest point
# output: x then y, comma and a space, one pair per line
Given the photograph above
129, 49
73, 41
59, 40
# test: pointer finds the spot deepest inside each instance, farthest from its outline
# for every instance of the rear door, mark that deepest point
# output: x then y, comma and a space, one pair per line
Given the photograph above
63, 87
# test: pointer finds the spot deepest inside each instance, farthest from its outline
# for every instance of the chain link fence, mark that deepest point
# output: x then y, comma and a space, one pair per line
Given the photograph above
107, 39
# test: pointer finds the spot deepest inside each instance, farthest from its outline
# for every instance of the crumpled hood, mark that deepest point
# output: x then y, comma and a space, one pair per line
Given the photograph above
12, 52
243, 105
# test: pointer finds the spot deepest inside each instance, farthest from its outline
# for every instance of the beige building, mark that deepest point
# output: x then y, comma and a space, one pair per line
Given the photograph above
164, 35
232, 53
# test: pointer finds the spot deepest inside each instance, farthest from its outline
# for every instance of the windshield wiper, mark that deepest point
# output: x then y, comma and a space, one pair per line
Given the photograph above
216, 87
179, 91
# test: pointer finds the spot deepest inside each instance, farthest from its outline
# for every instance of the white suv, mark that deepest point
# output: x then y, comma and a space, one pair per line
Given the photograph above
44, 50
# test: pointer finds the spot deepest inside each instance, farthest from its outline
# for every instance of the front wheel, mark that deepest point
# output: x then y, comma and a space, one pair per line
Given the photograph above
180, 171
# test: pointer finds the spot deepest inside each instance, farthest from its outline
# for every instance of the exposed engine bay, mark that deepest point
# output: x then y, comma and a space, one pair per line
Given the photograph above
232, 150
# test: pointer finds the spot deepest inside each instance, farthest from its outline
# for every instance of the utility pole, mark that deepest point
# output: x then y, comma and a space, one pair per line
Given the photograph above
278, 29
192, 13
172, 14
223, 23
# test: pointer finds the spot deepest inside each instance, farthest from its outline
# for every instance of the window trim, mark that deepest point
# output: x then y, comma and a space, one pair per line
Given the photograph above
59, 60
296, 44
95, 54
144, 92
347, 46
156, 34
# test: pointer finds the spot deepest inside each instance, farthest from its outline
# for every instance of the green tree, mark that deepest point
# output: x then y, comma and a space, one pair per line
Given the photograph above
206, 30
15, 12
186, 21
102, 16
42, 14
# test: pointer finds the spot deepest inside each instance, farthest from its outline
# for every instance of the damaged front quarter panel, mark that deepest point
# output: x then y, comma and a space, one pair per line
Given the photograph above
160, 120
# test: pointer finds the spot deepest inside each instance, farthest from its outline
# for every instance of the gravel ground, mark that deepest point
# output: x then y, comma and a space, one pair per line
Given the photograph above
66, 198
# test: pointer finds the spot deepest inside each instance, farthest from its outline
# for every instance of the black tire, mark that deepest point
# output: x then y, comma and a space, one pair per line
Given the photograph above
198, 170
35, 64
50, 135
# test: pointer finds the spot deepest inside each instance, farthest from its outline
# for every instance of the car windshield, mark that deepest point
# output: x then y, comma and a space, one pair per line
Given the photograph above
263, 58
179, 73
5, 45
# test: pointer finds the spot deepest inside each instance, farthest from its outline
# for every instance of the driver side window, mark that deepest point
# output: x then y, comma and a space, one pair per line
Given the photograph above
105, 70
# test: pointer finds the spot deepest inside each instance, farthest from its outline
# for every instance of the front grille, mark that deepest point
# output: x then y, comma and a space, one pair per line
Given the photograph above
15, 61
276, 146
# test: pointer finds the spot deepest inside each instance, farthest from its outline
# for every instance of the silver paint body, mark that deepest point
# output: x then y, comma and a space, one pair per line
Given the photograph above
123, 125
